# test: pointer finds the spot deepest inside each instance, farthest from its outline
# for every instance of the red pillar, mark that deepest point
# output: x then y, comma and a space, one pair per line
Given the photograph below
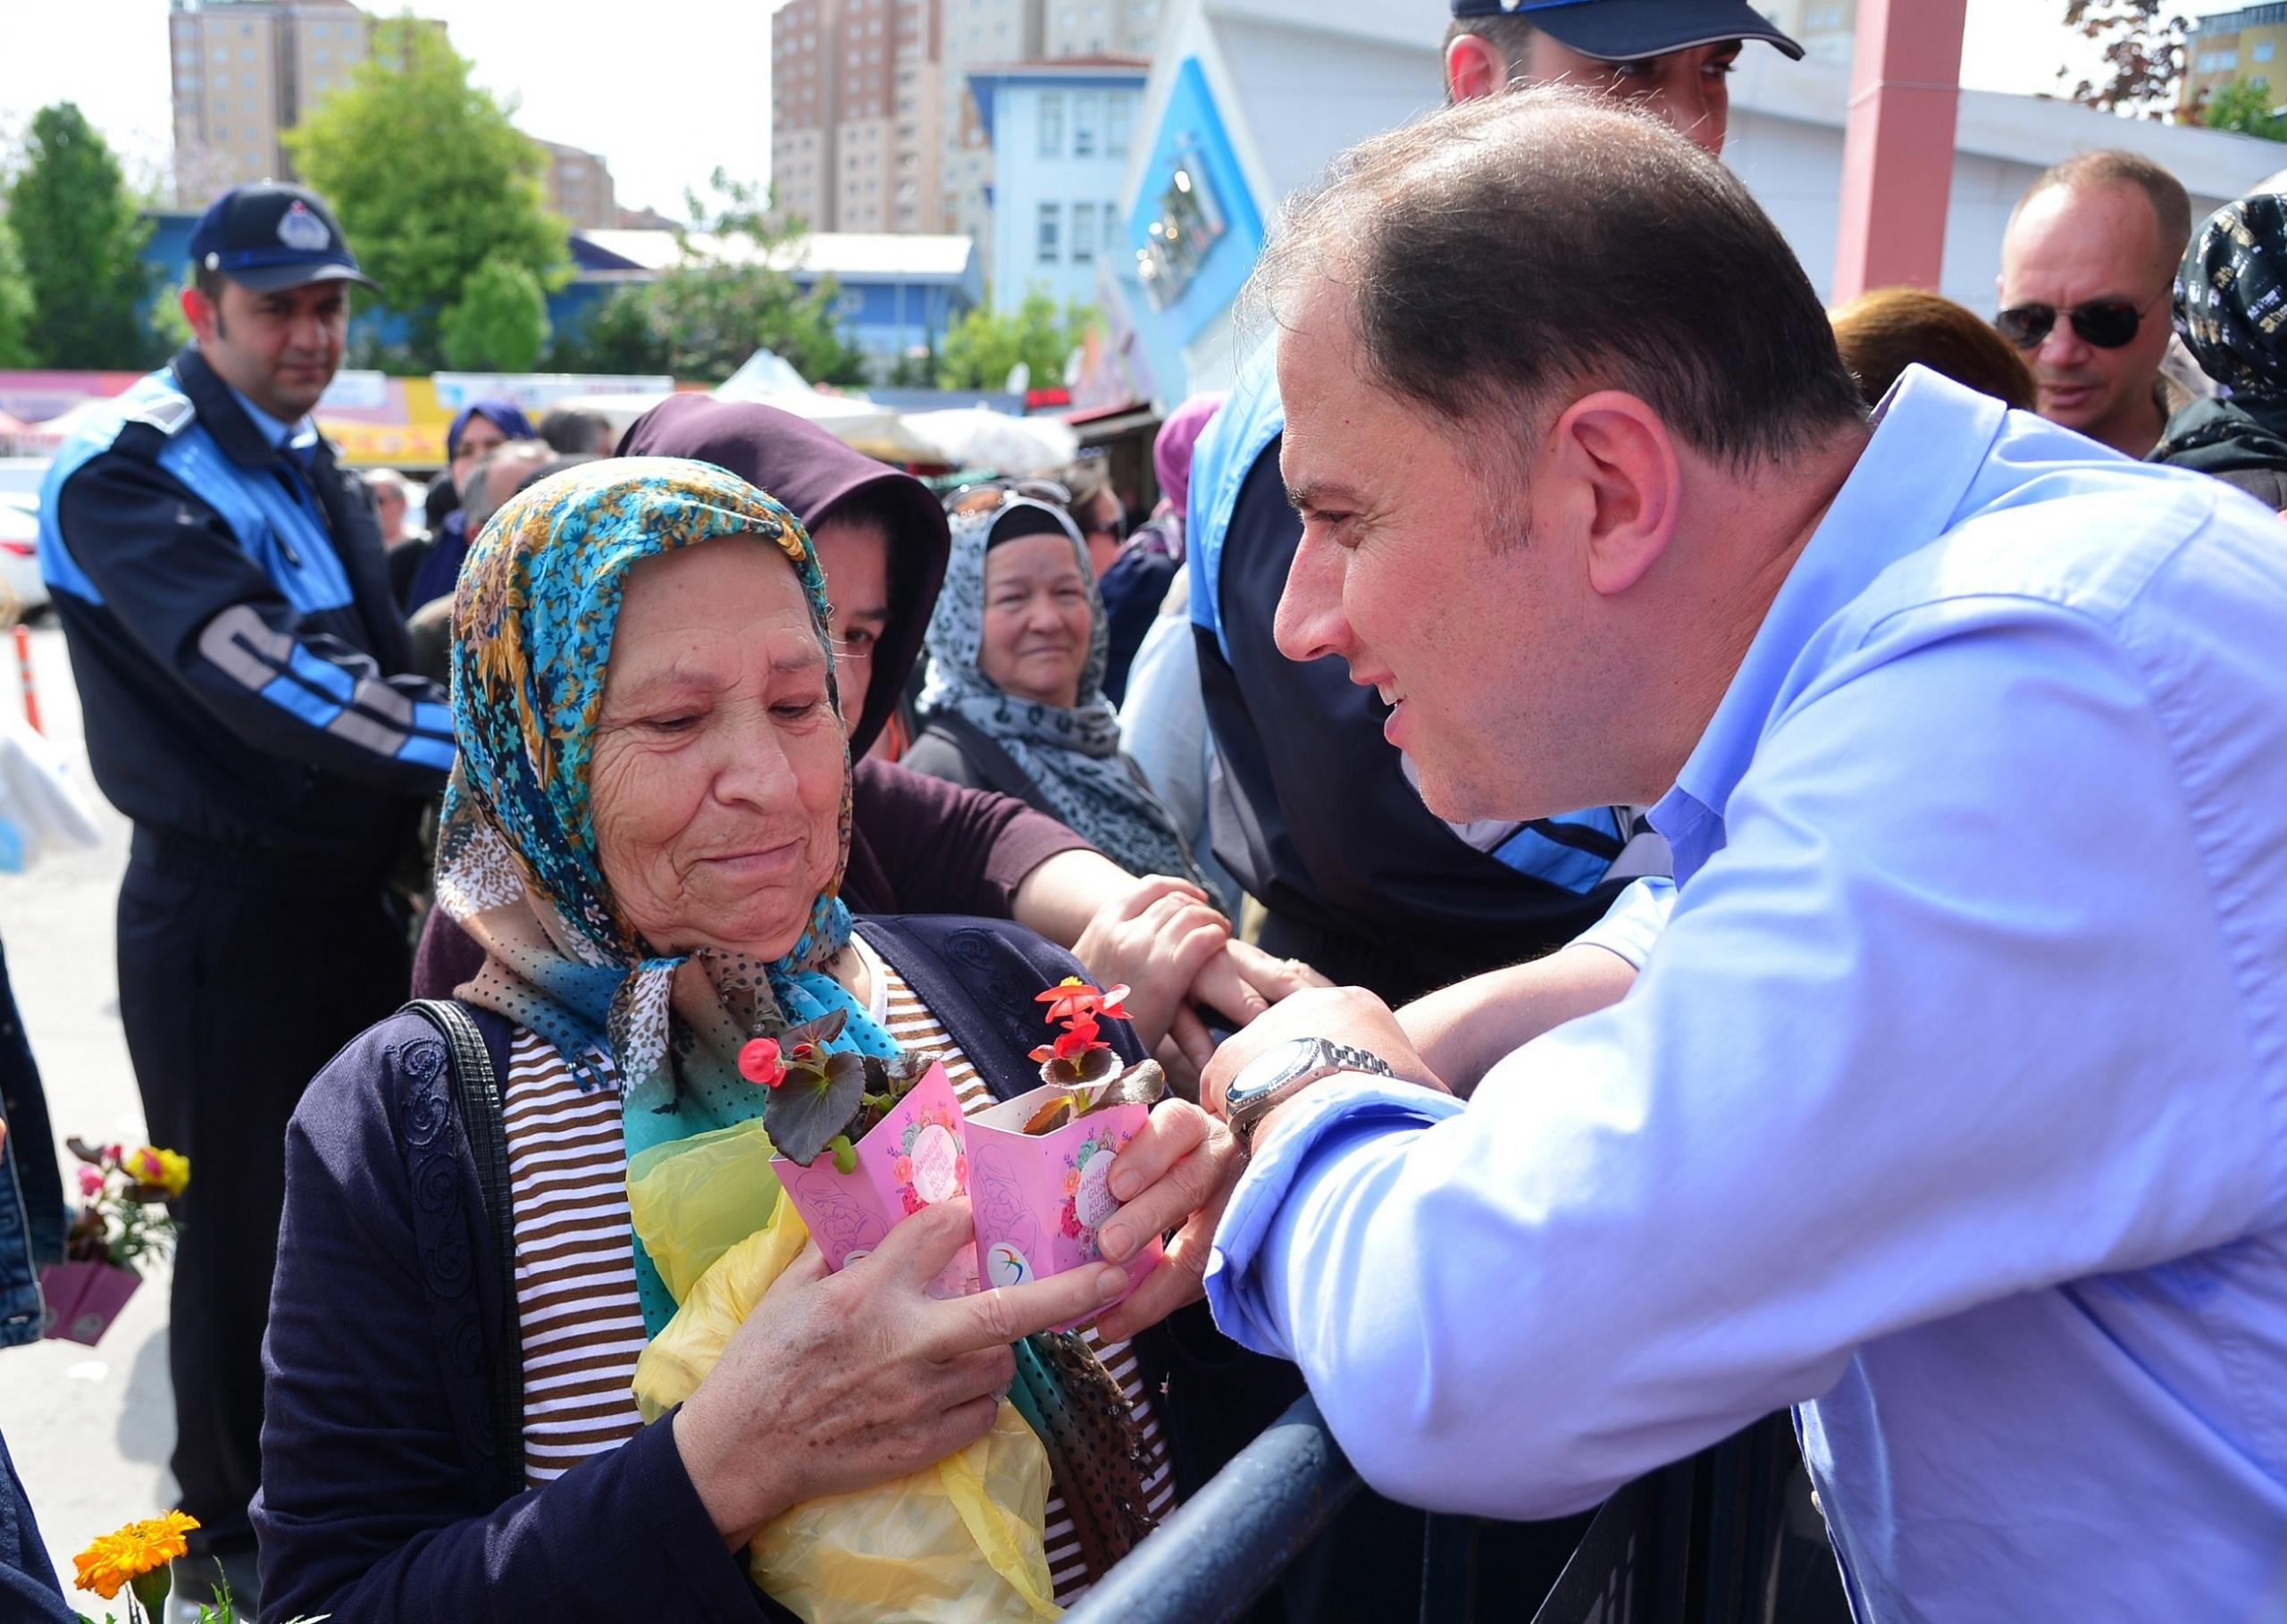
1898, 151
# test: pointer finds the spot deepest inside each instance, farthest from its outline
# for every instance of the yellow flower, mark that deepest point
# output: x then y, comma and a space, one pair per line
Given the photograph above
119, 1558
167, 1170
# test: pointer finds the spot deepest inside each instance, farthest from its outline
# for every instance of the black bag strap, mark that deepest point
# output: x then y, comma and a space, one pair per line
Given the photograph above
476, 1096
985, 753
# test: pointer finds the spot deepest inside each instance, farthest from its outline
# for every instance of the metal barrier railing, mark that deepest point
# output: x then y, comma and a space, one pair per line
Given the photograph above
1228, 1544
1696, 1543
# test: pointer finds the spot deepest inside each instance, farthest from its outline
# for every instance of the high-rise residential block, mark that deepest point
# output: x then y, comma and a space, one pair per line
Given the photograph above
247, 70
855, 99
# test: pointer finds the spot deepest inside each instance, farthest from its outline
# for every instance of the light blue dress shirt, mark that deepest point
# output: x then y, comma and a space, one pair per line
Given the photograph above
1951, 1105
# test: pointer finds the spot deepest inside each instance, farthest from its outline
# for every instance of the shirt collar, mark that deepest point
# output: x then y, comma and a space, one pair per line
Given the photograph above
1931, 436
297, 439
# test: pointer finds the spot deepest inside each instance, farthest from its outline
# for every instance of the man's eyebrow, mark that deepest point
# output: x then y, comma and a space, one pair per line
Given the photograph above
1320, 497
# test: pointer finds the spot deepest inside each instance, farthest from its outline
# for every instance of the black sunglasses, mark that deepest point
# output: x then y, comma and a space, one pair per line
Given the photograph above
2106, 323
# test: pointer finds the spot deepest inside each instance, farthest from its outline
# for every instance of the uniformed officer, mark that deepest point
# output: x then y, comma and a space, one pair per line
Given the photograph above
241, 665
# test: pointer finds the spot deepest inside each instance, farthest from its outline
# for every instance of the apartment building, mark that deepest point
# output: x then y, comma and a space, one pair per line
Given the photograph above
2246, 42
1062, 131
856, 99
580, 188
245, 71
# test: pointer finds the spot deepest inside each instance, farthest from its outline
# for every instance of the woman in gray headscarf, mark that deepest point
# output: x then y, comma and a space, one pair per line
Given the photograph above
1015, 698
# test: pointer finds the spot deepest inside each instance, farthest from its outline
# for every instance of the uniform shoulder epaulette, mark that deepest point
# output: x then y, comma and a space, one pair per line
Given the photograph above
167, 411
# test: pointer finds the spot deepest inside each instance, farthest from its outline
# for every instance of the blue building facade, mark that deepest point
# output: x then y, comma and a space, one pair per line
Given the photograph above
1063, 135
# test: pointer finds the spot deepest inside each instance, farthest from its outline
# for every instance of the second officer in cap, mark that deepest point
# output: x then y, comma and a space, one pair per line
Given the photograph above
243, 675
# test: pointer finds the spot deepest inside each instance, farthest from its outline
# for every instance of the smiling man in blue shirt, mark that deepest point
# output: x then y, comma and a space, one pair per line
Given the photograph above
1951, 1105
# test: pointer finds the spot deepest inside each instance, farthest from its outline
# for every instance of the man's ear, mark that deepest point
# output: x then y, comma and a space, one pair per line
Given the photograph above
199, 311
1617, 453
1474, 67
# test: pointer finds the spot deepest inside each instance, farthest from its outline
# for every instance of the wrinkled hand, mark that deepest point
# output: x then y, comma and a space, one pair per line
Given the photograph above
1155, 939
839, 1382
1239, 984
1340, 1014
1175, 1174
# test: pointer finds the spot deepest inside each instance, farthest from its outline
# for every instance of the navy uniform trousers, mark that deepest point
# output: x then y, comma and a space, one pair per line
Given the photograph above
236, 987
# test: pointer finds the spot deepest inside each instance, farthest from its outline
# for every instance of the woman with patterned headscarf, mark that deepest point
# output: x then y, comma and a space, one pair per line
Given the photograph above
1015, 698
2231, 316
647, 836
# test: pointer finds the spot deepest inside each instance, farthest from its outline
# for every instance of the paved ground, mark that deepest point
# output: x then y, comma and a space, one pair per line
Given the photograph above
90, 1427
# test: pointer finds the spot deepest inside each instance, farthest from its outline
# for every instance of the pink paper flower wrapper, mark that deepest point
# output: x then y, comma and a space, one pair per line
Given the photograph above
83, 1298
915, 1156
1039, 1199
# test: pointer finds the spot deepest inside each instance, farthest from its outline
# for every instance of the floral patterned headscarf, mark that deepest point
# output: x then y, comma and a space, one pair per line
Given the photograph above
518, 865
1072, 755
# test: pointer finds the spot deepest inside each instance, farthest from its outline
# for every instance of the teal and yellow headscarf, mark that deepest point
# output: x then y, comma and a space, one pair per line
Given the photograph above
517, 863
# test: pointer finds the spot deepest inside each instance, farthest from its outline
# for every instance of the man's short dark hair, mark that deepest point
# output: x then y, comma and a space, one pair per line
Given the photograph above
210, 283
1511, 254
2109, 166
573, 431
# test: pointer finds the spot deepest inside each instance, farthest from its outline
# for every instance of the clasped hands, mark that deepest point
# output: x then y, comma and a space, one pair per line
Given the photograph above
1177, 1173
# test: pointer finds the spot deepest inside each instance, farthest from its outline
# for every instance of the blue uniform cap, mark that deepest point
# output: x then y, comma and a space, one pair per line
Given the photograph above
1628, 30
270, 235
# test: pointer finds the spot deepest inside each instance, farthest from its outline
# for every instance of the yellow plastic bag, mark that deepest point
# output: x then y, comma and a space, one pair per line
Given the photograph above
692, 1200
957, 1541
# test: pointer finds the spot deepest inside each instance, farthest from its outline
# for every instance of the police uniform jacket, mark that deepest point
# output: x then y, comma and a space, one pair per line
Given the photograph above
241, 664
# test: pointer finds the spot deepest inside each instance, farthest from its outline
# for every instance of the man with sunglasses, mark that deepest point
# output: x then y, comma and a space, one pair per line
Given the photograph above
2087, 267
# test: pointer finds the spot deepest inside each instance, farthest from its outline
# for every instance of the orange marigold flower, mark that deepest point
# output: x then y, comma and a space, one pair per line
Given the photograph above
121, 1558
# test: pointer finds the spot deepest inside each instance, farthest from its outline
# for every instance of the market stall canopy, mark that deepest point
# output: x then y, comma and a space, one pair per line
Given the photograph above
976, 437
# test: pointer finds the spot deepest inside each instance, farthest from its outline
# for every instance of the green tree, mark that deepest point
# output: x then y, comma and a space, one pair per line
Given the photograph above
80, 241
15, 303
430, 179
982, 348
621, 333
733, 292
499, 323
2245, 106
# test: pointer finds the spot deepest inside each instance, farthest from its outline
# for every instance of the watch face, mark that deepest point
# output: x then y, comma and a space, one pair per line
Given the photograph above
1269, 1070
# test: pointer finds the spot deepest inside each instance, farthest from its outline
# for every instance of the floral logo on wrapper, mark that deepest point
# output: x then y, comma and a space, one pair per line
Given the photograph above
932, 1164
1088, 1189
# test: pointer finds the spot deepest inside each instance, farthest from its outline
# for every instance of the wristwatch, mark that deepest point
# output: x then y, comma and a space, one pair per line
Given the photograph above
1279, 1073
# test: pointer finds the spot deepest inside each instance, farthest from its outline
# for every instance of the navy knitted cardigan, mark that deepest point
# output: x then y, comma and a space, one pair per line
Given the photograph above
379, 1498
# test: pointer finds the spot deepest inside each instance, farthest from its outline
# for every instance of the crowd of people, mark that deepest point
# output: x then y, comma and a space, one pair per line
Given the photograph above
1688, 855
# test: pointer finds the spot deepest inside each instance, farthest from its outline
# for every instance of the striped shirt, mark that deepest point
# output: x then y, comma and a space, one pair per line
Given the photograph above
576, 1306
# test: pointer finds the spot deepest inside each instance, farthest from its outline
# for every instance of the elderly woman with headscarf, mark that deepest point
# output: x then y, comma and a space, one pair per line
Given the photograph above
1014, 700
647, 836
2231, 314
919, 844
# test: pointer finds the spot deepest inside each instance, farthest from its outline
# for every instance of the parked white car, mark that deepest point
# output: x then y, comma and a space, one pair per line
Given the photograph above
21, 589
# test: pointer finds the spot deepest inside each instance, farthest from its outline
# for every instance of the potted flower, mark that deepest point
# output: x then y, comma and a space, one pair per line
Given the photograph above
139, 1559
121, 1219
1044, 1160
863, 1142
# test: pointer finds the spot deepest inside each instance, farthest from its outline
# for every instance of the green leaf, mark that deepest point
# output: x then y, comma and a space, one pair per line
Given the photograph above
803, 1117
845, 1154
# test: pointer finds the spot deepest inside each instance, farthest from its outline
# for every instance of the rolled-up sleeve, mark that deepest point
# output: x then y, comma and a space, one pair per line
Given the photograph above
1878, 1072
1634, 921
